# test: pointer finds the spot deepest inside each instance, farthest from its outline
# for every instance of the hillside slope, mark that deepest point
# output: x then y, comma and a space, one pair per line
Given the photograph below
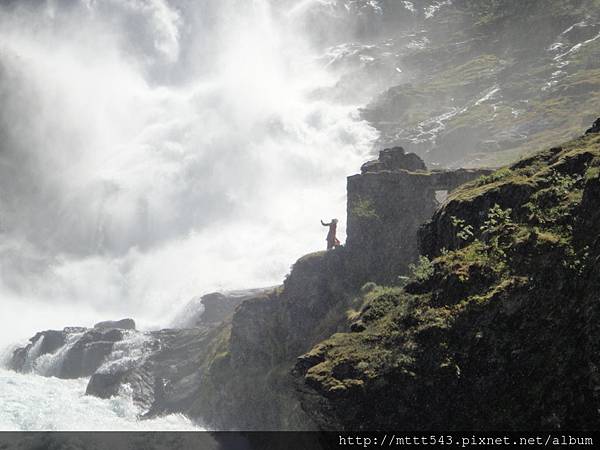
470, 83
499, 330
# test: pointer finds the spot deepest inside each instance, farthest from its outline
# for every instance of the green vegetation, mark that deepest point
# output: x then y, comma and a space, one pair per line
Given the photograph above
508, 81
421, 271
499, 312
364, 208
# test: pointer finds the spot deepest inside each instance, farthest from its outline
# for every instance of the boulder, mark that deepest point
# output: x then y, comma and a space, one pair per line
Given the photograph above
139, 379
89, 352
51, 341
123, 324
595, 127
394, 159
212, 309
218, 306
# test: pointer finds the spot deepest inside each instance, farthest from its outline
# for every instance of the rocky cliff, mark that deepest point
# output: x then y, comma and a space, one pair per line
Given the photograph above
232, 369
250, 385
387, 203
497, 329
497, 302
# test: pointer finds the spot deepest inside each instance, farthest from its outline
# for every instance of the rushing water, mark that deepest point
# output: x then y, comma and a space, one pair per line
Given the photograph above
36, 403
152, 151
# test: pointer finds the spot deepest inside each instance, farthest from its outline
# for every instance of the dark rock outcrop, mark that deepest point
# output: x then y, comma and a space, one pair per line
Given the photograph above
162, 369
123, 324
595, 127
51, 341
387, 204
109, 384
507, 311
211, 309
83, 350
394, 159
218, 306
89, 352
249, 385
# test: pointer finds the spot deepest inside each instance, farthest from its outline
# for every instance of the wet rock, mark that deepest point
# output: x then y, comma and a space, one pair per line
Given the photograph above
51, 341
140, 382
123, 324
218, 306
88, 353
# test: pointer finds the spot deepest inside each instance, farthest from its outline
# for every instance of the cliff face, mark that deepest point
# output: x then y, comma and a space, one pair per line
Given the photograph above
498, 330
387, 203
250, 385
233, 368
504, 308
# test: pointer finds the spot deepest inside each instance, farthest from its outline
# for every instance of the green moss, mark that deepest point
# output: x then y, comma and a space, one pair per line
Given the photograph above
494, 317
469, 191
497, 176
592, 173
364, 208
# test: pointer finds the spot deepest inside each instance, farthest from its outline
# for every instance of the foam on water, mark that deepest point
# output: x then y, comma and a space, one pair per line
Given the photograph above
35, 403
128, 353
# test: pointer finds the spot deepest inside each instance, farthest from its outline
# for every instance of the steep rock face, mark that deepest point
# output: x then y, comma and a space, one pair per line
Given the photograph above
249, 384
387, 204
506, 312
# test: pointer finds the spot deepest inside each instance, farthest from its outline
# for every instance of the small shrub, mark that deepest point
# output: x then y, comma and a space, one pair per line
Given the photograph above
494, 177
464, 231
423, 270
498, 231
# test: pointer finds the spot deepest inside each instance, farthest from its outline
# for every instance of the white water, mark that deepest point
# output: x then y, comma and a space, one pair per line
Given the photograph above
36, 403
152, 151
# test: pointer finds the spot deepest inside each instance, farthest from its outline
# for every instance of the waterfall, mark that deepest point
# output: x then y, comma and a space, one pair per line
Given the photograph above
156, 151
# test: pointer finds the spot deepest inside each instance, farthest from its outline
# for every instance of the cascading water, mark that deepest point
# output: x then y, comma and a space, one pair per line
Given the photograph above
155, 151
49, 364
36, 400
152, 151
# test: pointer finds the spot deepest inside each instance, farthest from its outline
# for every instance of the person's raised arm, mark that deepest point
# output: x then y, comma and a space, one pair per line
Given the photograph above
324, 224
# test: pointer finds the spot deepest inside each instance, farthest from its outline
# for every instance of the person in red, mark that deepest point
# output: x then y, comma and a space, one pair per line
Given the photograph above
332, 241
